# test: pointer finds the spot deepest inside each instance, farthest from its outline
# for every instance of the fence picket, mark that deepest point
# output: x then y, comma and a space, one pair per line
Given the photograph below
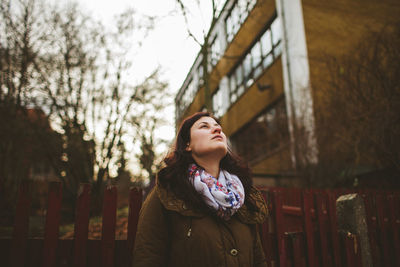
297, 244
322, 212
394, 208
308, 206
135, 203
334, 228
279, 221
81, 225
52, 224
353, 255
21, 226
108, 226
383, 223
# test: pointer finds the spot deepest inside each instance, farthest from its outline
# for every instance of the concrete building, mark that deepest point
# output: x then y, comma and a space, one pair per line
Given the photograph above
264, 73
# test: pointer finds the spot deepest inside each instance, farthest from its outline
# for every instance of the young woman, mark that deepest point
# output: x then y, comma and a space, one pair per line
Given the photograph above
203, 210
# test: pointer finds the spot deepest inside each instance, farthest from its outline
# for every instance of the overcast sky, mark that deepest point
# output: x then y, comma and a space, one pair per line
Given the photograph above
168, 45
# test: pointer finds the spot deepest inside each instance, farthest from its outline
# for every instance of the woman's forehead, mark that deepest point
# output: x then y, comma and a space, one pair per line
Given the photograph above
206, 119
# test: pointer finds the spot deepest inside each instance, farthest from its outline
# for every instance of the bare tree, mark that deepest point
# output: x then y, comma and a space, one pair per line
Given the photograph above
213, 14
203, 39
78, 72
150, 119
23, 31
359, 114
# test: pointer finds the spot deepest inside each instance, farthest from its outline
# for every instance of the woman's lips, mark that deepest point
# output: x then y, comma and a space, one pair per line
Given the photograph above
217, 136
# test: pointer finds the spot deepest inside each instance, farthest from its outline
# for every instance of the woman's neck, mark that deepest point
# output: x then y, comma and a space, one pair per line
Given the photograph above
210, 165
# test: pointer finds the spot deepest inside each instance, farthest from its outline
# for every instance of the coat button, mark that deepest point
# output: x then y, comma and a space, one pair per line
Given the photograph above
234, 252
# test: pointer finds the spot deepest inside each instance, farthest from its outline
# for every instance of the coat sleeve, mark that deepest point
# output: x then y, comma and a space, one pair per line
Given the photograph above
259, 256
151, 240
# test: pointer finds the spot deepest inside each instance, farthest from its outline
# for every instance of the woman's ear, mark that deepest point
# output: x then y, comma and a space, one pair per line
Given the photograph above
188, 148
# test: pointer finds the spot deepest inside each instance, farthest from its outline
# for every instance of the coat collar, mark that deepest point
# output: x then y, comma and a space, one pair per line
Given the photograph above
171, 202
254, 217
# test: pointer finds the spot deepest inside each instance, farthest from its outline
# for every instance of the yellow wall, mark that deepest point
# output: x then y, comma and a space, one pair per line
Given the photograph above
251, 28
335, 27
276, 162
253, 101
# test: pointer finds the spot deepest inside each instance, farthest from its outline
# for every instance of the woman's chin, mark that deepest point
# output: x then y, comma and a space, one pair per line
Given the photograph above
217, 152
220, 151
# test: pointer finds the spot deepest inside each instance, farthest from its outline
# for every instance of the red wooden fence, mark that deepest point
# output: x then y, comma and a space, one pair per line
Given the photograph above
303, 227
80, 251
301, 230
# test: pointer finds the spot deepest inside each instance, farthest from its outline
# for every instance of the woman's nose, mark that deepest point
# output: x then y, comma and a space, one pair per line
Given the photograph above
217, 129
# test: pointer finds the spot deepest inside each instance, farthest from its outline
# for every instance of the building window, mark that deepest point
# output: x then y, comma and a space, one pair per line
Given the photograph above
266, 43
215, 51
187, 96
276, 31
251, 4
217, 103
200, 75
259, 57
264, 134
221, 98
237, 16
256, 54
242, 9
239, 75
247, 65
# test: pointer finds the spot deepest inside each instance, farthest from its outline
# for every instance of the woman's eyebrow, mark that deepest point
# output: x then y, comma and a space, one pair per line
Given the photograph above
205, 122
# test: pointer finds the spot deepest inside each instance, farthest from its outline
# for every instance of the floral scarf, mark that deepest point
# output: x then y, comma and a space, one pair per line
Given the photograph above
225, 194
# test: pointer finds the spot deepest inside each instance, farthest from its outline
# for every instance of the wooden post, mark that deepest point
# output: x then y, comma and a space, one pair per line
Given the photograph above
372, 223
81, 225
52, 224
21, 226
135, 204
108, 226
351, 218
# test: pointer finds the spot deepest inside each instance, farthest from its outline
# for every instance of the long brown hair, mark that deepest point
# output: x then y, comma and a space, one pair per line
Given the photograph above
174, 176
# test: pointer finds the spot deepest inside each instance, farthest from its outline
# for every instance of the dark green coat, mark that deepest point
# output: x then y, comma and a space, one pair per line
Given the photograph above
170, 234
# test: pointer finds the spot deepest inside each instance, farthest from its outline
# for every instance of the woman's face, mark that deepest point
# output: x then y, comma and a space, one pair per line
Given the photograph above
207, 139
